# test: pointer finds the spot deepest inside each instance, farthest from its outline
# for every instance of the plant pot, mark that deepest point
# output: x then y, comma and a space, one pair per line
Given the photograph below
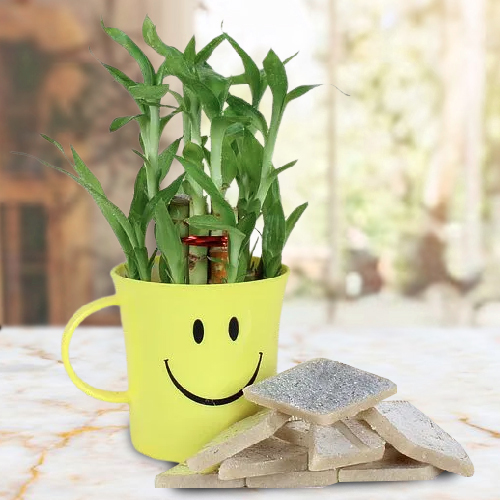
187, 358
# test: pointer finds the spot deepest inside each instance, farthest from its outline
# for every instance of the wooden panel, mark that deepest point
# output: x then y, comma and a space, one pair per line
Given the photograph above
25, 190
2, 282
12, 266
56, 289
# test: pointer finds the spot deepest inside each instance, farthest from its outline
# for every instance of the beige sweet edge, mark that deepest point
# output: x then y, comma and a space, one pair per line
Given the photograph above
323, 422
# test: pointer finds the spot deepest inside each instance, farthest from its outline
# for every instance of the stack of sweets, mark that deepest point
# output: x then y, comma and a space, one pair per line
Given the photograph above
323, 422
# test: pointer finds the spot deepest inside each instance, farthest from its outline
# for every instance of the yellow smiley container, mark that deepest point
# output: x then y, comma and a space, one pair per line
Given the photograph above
191, 349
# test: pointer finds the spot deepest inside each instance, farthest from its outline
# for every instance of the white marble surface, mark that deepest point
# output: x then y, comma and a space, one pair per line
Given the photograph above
57, 443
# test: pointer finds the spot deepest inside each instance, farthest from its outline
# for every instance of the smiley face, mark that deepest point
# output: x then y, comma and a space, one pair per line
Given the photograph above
198, 334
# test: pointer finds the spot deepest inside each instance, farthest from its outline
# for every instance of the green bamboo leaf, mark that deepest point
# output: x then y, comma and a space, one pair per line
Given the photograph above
250, 163
263, 79
209, 101
194, 153
263, 87
123, 80
175, 63
254, 247
273, 266
58, 146
153, 92
274, 233
190, 51
212, 223
166, 158
156, 104
288, 59
293, 219
84, 172
229, 162
248, 206
170, 244
178, 98
205, 53
164, 196
124, 40
192, 112
206, 156
245, 109
218, 84
242, 79
118, 123
140, 198
218, 130
273, 195
164, 120
252, 72
154, 41
54, 142
286, 167
246, 225
131, 268
298, 92
151, 261
276, 77
243, 267
151, 36
236, 129
161, 74
274, 174
235, 245
119, 76
115, 217
205, 182
139, 235
163, 270
143, 157
141, 254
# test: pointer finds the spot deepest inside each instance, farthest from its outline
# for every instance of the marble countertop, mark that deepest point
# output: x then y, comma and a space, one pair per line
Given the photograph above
57, 443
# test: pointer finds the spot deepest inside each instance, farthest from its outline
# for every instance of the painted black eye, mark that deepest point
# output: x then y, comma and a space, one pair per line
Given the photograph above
198, 331
234, 328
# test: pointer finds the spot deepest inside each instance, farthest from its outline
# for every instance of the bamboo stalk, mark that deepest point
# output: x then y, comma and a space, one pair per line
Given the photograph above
197, 257
219, 260
152, 144
179, 212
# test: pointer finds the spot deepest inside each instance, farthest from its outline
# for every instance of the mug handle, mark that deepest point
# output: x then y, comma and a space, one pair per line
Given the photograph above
78, 317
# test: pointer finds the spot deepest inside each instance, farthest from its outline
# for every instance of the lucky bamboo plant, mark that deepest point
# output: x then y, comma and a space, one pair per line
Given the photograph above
239, 150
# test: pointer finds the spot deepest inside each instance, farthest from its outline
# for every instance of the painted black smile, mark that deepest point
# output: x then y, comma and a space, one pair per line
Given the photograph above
208, 401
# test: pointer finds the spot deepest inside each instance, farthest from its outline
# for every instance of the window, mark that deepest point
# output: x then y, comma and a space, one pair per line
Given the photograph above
24, 262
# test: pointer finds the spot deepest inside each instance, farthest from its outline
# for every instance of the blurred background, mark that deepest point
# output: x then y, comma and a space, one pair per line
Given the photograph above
402, 176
